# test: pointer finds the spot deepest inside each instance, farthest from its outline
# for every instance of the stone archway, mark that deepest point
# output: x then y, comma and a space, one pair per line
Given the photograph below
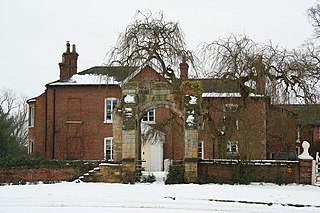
137, 99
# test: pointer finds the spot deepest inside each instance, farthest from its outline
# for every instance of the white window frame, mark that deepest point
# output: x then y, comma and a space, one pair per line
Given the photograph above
200, 150
108, 140
298, 135
298, 150
148, 117
272, 155
113, 102
230, 145
31, 115
30, 146
231, 107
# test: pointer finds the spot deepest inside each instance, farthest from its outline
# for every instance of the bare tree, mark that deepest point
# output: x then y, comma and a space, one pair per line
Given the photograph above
151, 39
13, 124
250, 64
313, 14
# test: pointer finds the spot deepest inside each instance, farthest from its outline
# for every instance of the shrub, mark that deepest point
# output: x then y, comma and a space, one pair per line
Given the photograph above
148, 179
175, 175
243, 174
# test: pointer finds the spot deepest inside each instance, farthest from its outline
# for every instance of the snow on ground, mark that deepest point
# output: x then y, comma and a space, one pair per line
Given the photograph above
158, 198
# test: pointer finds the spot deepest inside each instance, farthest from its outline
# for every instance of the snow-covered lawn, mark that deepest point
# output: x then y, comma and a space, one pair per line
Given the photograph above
158, 198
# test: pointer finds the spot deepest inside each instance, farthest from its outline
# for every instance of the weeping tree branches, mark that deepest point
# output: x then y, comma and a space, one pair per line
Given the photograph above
313, 14
252, 65
151, 39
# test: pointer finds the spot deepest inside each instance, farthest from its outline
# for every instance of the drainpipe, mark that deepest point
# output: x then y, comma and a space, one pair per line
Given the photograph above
54, 123
46, 124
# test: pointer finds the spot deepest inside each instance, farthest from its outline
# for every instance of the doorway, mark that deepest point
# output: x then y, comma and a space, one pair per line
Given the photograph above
151, 148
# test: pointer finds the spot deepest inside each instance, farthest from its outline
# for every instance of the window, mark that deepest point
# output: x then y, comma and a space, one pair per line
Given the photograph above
108, 149
200, 150
230, 120
31, 115
298, 134
149, 117
232, 149
230, 107
110, 104
272, 156
30, 147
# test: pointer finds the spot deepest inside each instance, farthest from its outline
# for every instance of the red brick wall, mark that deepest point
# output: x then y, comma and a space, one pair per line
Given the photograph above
281, 131
79, 130
266, 171
148, 74
63, 173
250, 120
37, 133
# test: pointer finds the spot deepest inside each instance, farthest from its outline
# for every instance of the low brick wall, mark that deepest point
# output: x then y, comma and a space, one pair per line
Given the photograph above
68, 172
232, 171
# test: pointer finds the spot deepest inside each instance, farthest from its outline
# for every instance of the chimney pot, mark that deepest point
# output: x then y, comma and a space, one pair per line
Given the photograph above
68, 47
184, 68
74, 48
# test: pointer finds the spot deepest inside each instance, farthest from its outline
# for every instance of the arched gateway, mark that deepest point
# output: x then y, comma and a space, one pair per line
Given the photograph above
139, 97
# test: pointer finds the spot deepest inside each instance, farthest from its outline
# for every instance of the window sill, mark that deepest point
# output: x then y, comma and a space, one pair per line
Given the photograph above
148, 122
107, 122
74, 122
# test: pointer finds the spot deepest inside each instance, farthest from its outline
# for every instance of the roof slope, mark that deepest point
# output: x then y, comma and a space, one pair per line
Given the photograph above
307, 114
219, 85
119, 73
98, 75
223, 88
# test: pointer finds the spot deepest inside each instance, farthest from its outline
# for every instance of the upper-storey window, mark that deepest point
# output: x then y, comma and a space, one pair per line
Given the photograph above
149, 117
109, 105
31, 115
230, 117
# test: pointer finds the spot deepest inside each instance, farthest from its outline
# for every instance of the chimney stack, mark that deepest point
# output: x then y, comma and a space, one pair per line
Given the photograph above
68, 66
184, 68
261, 77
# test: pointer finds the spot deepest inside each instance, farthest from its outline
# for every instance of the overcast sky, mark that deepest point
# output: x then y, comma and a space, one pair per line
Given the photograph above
33, 33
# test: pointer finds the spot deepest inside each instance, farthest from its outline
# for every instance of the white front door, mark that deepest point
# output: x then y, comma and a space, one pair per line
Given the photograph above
152, 157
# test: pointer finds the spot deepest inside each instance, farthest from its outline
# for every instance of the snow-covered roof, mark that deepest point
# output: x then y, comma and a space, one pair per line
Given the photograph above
99, 75
227, 95
87, 79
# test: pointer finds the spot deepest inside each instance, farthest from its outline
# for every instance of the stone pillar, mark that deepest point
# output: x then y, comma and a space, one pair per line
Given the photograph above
129, 156
305, 161
191, 155
129, 139
117, 135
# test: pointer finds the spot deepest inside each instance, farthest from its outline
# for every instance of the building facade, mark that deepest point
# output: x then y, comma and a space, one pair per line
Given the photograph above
133, 114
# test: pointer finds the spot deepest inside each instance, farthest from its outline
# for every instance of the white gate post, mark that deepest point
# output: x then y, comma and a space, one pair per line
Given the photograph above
305, 162
313, 178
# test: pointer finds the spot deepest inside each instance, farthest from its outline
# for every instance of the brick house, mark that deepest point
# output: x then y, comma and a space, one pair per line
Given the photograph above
74, 118
307, 126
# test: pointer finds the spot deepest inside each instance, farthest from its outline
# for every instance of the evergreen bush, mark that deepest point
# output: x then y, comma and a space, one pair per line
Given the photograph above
175, 175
